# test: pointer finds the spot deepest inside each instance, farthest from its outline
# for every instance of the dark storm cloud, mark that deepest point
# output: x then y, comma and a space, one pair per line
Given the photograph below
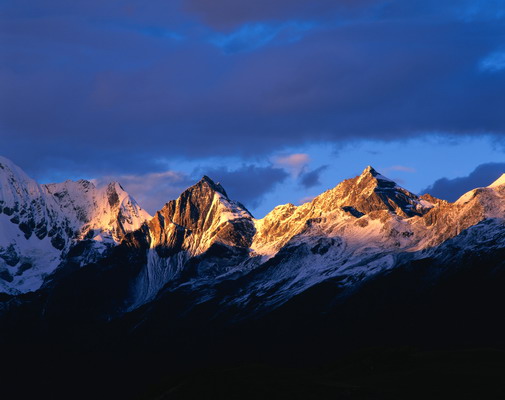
118, 87
452, 189
310, 179
225, 14
229, 13
249, 183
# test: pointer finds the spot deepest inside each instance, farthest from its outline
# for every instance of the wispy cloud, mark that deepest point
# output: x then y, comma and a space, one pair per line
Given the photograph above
401, 168
294, 163
151, 190
252, 36
307, 199
494, 62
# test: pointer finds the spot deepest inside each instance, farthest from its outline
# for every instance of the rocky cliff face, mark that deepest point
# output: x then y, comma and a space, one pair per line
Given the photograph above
370, 192
366, 263
373, 209
350, 209
203, 217
362, 227
41, 224
102, 214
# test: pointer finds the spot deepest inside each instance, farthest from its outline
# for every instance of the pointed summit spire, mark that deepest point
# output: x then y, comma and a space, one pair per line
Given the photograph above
371, 173
205, 178
211, 184
206, 215
372, 191
369, 170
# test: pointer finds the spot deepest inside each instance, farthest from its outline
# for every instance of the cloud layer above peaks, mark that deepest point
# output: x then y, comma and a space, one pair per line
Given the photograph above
96, 88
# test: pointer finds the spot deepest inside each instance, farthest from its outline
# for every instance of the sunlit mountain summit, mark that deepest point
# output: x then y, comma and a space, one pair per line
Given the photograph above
86, 274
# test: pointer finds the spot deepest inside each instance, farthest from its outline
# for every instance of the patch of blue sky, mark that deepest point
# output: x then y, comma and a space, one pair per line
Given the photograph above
413, 163
145, 30
474, 10
159, 32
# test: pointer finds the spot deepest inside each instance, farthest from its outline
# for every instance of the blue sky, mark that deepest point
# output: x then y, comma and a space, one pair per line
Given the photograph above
277, 99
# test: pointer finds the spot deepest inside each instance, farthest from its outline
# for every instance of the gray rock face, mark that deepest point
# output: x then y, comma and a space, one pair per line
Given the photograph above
363, 260
355, 230
372, 191
201, 216
202, 220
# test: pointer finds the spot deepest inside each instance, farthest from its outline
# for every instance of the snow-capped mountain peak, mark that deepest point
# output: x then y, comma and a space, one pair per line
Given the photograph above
208, 182
370, 171
202, 217
106, 212
206, 215
358, 227
369, 195
39, 224
372, 191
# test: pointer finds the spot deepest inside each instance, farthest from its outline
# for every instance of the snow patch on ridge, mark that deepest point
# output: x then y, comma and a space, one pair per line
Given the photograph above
499, 182
39, 224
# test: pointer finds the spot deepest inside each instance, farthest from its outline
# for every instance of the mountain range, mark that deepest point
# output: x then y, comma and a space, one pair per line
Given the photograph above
84, 269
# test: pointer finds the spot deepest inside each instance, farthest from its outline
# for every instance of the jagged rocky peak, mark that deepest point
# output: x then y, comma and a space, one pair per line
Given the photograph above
23, 201
198, 200
433, 200
95, 210
40, 224
372, 179
207, 182
120, 201
112, 193
15, 186
202, 215
372, 191
369, 170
